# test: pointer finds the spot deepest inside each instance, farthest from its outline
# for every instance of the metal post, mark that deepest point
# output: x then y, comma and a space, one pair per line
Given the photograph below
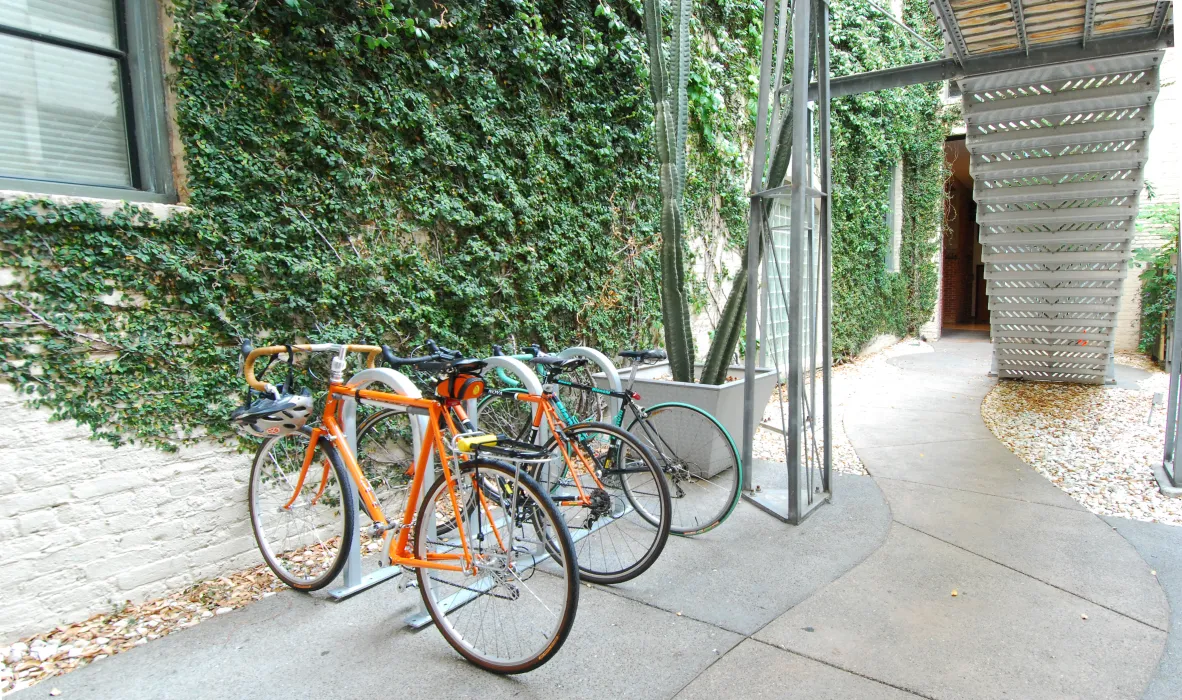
826, 242
1169, 463
354, 580
800, 160
754, 232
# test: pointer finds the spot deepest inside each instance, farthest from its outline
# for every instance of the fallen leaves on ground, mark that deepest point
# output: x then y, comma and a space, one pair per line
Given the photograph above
66, 648
1097, 443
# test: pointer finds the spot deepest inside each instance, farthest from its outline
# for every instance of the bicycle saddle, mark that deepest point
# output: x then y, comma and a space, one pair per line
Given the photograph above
555, 364
656, 354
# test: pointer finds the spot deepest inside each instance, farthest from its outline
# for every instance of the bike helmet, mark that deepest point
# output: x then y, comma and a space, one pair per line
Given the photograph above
268, 417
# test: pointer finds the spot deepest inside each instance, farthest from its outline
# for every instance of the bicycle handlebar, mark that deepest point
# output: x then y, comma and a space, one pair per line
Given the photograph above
372, 352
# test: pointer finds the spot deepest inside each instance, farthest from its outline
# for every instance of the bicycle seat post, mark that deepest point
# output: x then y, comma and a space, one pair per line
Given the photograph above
632, 374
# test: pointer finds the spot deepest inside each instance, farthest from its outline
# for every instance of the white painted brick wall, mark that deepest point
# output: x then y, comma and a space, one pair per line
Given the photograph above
84, 525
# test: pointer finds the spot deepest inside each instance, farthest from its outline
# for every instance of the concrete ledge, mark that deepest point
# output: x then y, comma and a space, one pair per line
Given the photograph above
1163, 482
105, 206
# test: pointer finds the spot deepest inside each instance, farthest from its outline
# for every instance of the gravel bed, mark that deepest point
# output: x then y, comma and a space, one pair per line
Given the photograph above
1097, 443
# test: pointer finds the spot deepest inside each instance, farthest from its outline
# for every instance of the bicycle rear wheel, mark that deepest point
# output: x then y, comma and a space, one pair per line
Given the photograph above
504, 615
622, 530
499, 412
304, 535
699, 460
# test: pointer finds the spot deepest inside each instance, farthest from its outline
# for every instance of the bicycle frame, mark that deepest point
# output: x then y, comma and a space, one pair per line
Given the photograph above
546, 403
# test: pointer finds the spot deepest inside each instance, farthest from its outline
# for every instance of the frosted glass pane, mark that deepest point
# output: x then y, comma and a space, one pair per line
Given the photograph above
61, 115
87, 21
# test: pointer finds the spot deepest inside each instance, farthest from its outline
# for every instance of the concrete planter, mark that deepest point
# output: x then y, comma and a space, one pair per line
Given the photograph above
724, 402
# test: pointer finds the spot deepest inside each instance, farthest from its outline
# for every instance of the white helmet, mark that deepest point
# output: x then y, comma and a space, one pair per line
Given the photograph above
268, 417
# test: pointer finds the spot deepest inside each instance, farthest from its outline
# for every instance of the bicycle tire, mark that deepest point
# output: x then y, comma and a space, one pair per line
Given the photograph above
500, 413
297, 554
504, 580
693, 515
592, 541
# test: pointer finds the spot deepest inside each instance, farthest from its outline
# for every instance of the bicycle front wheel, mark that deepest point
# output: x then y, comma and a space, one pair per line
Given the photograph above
502, 613
699, 460
612, 496
303, 533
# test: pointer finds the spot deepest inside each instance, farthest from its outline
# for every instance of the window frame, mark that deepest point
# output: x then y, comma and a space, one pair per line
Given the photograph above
141, 78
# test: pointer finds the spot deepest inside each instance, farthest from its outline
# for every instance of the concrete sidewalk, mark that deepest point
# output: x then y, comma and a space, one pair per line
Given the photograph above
1050, 601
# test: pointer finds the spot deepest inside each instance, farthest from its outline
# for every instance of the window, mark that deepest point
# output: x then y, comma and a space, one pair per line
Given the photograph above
894, 220
81, 102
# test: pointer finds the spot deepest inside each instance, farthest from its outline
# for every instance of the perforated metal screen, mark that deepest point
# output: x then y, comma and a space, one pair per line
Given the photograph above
1057, 159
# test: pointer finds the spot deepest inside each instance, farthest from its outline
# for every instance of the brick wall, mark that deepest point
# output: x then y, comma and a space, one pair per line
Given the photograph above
85, 525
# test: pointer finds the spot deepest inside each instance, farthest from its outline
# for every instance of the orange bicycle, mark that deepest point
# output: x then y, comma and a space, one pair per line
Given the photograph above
478, 537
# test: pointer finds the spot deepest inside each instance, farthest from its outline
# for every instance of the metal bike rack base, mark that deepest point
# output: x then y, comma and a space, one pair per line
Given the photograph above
354, 580
457, 600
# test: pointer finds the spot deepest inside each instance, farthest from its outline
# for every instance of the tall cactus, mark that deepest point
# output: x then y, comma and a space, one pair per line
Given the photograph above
730, 324
667, 86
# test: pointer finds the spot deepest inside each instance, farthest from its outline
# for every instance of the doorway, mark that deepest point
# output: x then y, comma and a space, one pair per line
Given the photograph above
963, 292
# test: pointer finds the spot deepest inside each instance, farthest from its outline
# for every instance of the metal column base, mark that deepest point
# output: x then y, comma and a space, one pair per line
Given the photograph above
774, 501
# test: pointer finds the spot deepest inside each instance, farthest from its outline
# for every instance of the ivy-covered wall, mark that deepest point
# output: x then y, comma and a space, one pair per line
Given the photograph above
393, 171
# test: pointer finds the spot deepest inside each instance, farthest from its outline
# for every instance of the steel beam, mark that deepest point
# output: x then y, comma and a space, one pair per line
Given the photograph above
754, 236
949, 69
943, 9
801, 22
826, 241
1089, 21
1020, 25
1160, 12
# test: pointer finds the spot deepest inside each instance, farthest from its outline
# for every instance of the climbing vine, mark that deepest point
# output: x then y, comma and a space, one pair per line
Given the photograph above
396, 170
1158, 284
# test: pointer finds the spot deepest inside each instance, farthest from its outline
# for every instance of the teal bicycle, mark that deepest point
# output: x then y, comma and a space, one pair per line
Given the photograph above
696, 454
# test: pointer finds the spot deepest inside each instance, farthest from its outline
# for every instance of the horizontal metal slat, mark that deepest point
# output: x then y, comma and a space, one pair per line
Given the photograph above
1139, 94
1067, 135
1095, 256
1060, 71
1048, 166
1060, 275
1127, 187
1058, 216
1107, 235
1065, 307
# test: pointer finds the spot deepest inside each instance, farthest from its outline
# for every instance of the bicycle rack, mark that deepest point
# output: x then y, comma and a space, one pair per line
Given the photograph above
611, 375
355, 581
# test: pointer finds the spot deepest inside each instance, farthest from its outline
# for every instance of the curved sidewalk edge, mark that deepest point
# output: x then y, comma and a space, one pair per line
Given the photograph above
992, 582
